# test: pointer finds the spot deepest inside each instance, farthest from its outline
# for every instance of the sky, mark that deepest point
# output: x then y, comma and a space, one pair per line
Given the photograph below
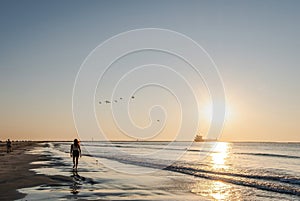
255, 45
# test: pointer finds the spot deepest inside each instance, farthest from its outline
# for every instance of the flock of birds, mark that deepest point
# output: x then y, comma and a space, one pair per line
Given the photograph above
108, 102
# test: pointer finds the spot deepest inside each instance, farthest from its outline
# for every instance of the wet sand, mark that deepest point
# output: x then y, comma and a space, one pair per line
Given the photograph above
36, 171
55, 180
15, 170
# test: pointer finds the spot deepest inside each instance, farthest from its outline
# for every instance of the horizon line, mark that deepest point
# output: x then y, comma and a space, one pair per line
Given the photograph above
205, 140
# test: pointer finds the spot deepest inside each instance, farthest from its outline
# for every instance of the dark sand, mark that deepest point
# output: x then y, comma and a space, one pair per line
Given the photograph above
15, 170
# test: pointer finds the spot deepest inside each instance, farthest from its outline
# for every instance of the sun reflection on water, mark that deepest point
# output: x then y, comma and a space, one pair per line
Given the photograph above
219, 190
216, 190
219, 156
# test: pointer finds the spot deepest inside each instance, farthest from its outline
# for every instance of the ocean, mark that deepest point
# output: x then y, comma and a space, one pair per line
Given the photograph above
199, 170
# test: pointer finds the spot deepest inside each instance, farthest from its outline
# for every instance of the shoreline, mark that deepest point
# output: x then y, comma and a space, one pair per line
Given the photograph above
95, 180
34, 170
25, 175
16, 173
15, 170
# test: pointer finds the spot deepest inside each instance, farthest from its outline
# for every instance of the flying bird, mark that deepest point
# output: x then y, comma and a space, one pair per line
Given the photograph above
107, 101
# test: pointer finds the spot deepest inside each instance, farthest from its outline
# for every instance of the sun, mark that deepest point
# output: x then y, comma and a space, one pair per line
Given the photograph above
207, 112
228, 112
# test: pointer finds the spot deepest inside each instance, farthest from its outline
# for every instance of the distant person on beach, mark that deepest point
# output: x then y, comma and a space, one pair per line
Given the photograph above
75, 152
8, 146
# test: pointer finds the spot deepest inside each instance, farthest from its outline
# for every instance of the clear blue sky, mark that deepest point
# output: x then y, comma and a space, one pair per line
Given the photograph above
255, 45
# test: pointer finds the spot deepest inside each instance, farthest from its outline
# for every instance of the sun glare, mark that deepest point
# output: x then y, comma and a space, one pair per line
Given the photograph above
220, 154
207, 112
228, 112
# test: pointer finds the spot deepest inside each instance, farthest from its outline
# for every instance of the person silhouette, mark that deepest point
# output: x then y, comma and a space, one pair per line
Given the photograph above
8, 146
75, 152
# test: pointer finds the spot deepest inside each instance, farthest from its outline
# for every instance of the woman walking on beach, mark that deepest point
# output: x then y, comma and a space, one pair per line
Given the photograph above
75, 152
8, 146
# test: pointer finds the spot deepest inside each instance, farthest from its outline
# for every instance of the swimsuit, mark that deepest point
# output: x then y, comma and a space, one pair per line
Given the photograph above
75, 151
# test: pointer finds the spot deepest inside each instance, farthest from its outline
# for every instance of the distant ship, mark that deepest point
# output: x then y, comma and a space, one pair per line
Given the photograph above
198, 138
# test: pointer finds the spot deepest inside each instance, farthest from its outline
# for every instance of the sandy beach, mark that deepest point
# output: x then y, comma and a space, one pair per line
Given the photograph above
15, 170
33, 172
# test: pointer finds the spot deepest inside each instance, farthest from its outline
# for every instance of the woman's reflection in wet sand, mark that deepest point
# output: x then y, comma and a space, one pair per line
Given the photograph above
76, 183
